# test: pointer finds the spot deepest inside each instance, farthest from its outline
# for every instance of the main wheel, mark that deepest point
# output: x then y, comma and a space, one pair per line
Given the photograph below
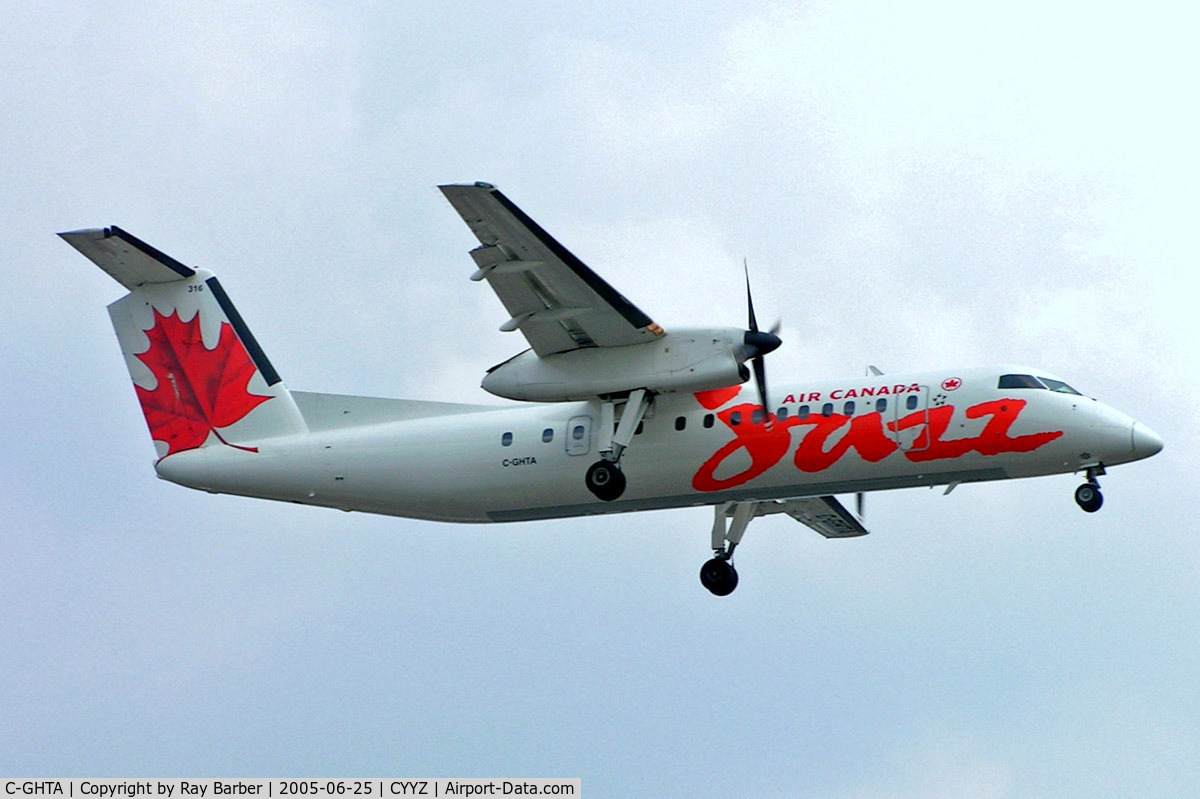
1089, 497
606, 480
719, 576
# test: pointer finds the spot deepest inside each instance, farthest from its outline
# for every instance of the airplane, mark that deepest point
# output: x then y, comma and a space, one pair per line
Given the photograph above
616, 414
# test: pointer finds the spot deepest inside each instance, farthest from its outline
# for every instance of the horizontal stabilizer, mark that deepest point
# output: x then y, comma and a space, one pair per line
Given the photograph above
131, 261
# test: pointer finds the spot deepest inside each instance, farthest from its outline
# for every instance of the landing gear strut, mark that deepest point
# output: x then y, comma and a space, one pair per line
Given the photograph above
1088, 495
718, 574
604, 477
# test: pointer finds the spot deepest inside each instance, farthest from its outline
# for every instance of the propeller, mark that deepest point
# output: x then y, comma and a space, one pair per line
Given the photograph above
757, 344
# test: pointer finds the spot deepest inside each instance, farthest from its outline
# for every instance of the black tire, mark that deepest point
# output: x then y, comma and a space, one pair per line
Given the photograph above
606, 480
719, 576
1088, 497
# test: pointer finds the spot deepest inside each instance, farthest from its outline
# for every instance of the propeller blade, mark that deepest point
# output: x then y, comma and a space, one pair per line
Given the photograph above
760, 377
757, 344
750, 298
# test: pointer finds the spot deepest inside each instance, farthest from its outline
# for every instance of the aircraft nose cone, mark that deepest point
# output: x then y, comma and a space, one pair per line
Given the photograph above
1145, 441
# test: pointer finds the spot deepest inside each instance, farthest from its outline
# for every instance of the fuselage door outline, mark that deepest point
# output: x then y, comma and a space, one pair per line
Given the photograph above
579, 435
914, 437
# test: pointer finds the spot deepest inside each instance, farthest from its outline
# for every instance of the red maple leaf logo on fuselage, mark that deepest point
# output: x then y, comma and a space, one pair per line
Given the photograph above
199, 390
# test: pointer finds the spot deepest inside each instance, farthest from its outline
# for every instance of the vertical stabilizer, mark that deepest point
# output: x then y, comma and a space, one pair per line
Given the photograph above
200, 375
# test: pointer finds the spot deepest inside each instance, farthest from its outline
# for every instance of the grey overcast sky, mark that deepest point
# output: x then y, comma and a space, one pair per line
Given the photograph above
914, 184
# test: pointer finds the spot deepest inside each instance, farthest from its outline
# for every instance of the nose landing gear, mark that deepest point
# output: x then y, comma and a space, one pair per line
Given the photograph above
1088, 495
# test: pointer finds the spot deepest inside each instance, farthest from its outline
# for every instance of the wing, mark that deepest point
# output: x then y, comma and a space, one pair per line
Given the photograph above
826, 515
552, 297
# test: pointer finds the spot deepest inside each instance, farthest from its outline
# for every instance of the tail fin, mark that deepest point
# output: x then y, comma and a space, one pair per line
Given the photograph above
200, 376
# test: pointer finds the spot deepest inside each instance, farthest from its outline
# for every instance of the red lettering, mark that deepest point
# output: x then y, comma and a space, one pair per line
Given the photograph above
865, 435
765, 443
992, 440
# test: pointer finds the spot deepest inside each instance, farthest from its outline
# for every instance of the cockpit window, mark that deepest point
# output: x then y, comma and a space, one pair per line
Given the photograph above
1019, 381
1058, 385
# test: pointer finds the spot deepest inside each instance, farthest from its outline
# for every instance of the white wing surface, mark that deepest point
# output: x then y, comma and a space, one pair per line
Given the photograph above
552, 297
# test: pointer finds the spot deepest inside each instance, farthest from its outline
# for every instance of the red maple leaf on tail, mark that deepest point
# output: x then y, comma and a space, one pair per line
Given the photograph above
198, 389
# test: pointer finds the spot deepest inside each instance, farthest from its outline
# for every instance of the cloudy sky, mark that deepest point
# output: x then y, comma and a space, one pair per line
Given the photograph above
914, 184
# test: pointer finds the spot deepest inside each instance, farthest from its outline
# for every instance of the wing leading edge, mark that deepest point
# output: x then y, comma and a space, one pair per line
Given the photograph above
552, 297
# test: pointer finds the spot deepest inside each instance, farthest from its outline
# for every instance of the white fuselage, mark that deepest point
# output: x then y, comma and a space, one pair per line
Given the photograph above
471, 464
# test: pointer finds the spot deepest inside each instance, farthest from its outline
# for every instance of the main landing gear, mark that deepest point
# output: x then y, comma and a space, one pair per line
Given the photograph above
604, 477
606, 480
718, 574
1088, 495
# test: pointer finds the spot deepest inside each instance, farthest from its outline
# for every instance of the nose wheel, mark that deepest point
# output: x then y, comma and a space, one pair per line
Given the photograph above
1088, 495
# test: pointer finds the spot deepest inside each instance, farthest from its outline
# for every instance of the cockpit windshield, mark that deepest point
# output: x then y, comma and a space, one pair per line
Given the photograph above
1058, 385
1019, 381
1029, 381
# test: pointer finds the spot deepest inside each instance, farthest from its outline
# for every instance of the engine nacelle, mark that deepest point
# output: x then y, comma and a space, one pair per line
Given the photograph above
684, 360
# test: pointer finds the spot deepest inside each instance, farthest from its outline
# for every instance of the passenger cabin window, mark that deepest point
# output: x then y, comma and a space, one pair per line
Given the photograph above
735, 418
578, 432
1059, 386
911, 402
756, 417
781, 414
827, 409
802, 412
548, 435
1019, 381
881, 405
506, 440
848, 408
680, 422
708, 420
